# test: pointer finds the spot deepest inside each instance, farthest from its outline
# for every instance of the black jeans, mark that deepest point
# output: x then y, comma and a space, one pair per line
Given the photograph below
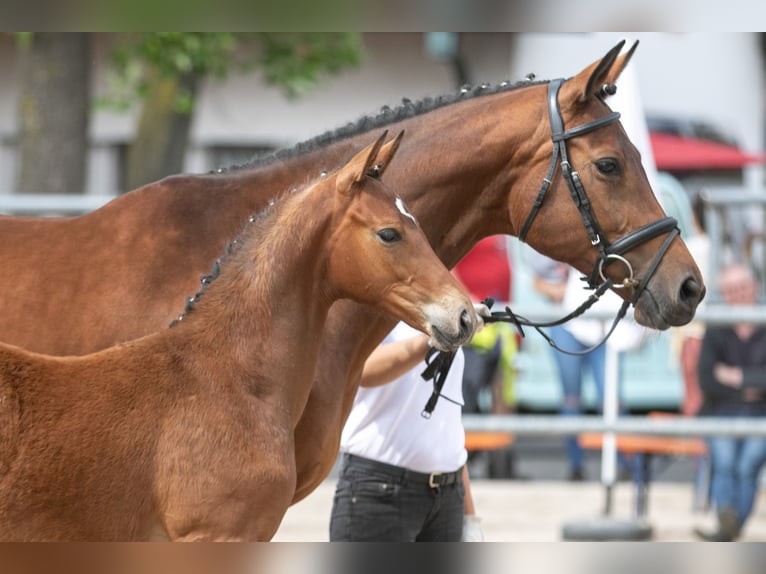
378, 502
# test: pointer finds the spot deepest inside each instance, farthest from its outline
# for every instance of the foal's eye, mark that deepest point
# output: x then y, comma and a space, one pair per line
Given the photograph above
608, 166
389, 235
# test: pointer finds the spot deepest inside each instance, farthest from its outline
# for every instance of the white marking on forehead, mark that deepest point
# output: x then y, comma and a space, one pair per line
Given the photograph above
403, 210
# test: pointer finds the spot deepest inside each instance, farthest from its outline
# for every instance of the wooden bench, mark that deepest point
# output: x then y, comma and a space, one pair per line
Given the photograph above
643, 448
488, 440
493, 449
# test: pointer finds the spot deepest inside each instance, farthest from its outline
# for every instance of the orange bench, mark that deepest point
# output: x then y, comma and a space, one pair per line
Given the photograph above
488, 440
648, 444
645, 447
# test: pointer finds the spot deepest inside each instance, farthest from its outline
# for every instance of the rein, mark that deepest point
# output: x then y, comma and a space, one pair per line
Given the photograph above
608, 252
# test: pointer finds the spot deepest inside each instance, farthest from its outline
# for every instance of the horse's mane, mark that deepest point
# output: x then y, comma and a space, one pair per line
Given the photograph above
386, 116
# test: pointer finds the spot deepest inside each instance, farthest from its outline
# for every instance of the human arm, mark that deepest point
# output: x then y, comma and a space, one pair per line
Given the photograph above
750, 375
711, 353
392, 360
719, 377
728, 375
750, 381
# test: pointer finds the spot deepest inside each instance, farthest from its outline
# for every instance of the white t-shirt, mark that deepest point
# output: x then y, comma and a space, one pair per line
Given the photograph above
386, 425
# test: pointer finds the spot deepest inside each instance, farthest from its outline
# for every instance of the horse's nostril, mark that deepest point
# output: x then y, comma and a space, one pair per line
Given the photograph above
692, 292
466, 324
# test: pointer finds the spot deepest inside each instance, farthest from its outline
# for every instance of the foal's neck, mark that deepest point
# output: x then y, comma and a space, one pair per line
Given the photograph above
260, 321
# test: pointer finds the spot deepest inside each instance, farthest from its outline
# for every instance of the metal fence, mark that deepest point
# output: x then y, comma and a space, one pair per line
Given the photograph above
51, 204
557, 425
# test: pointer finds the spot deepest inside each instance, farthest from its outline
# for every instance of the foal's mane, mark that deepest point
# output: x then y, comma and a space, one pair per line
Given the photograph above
255, 228
386, 116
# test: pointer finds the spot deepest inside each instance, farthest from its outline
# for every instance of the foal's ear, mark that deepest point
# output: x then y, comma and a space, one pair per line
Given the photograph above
590, 81
385, 155
359, 166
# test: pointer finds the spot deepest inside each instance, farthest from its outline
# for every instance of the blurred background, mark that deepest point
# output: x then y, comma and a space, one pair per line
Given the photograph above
85, 117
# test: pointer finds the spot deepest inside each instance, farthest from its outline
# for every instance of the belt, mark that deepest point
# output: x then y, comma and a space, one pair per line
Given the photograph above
401, 474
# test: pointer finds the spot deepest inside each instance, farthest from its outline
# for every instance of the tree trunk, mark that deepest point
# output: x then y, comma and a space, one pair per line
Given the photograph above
159, 146
54, 106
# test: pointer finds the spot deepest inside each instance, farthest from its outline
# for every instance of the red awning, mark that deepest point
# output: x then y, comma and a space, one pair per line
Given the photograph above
678, 153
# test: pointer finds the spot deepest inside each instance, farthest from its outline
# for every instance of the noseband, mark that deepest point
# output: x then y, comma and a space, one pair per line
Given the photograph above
608, 252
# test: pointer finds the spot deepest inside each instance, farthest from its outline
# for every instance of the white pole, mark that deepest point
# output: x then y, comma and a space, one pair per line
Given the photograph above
611, 409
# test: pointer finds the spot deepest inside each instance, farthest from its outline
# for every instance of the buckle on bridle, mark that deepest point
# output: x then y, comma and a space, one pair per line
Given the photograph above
629, 281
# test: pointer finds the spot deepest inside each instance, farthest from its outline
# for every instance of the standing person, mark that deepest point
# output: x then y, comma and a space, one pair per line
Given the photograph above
688, 339
732, 376
561, 284
550, 279
403, 477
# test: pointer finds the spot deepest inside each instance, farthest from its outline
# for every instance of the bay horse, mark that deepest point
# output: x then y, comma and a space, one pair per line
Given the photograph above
474, 165
190, 430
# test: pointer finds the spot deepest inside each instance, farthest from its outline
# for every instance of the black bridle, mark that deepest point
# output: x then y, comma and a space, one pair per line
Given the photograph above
607, 252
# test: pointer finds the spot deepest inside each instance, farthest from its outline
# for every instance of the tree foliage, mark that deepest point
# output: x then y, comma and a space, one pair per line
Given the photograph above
295, 62
163, 70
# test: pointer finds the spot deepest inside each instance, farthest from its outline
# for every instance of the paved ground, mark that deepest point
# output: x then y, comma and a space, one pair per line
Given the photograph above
538, 510
540, 502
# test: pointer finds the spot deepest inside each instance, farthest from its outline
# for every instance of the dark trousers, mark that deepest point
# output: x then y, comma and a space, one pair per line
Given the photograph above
378, 502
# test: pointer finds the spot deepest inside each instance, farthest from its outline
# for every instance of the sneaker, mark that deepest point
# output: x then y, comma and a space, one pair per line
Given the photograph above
727, 531
716, 535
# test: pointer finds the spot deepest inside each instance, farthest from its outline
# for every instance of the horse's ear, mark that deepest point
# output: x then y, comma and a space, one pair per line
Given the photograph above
385, 155
357, 168
590, 81
620, 64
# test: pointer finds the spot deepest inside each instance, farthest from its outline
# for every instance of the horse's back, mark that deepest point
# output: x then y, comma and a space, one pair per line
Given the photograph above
81, 284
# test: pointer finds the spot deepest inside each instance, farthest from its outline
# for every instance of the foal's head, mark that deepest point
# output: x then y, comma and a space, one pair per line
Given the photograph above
379, 255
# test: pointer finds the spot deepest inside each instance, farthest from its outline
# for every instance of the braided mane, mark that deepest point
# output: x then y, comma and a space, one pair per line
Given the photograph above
255, 225
385, 117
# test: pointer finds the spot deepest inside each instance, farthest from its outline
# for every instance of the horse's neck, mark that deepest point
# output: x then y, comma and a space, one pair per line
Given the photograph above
453, 169
472, 177
263, 316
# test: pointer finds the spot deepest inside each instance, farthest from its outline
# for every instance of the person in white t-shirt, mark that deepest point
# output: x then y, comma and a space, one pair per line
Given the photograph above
403, 476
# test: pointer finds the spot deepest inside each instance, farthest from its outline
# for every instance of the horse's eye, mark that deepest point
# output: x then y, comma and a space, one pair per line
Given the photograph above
389, 235
608, 166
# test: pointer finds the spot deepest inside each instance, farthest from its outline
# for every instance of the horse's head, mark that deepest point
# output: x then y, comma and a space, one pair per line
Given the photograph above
380, 256
596, 210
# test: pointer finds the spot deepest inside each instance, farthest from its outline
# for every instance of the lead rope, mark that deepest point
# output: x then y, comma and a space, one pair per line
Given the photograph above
438, 366
439, 362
